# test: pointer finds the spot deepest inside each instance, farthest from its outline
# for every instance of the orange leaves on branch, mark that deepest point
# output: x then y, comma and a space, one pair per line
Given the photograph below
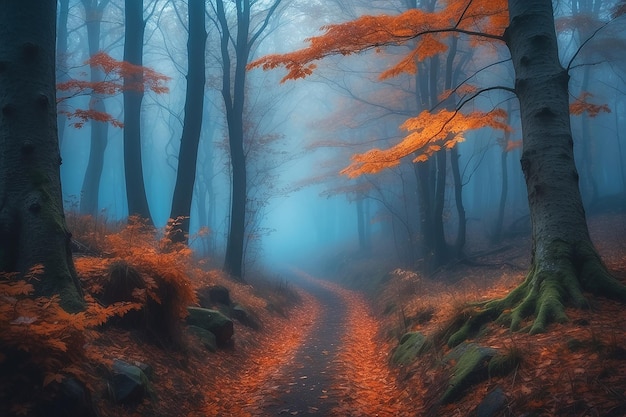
83, 116
429, 133
582, 105
119, 76
478, 17
142, 78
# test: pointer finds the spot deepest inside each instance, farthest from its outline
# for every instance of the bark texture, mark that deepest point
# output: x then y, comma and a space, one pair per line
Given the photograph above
564, 261
32, 223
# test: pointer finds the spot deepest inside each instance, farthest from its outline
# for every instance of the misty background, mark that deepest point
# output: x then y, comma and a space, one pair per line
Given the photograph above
299, 134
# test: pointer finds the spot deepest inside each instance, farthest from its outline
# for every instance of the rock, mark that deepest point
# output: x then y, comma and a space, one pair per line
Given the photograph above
72, 399
206, 337
471, 367
491, 404
129, 383
211, 296
213, 321
409, 348
242, 315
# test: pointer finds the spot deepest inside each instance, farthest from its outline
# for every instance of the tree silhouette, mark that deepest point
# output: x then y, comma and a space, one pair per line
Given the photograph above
235, 51
192, 125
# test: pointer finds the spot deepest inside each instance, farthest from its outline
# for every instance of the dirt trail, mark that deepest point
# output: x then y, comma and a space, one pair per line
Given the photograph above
304, 386
339, 370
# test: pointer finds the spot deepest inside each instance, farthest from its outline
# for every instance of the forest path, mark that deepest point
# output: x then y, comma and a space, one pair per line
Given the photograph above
338, 369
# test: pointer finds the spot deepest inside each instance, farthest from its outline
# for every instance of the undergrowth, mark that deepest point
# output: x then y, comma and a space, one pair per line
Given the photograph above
40, 343
136, 275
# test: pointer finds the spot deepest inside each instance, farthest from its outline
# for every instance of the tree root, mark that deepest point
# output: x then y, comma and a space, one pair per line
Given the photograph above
560, 280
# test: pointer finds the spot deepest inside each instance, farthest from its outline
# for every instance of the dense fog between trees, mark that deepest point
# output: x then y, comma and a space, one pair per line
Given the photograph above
298, 135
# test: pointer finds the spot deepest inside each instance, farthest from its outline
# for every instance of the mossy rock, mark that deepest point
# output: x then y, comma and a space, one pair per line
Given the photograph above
410, 347
213, 321
471, 367
129, 383
207, 338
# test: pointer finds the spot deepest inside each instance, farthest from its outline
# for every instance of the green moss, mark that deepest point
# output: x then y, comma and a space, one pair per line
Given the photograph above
471, 368
504, 363
410, 347
565, 272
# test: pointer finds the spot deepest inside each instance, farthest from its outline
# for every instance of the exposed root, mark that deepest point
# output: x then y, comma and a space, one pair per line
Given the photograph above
559, 280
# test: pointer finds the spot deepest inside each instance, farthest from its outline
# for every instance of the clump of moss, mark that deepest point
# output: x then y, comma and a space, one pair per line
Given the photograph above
505, 362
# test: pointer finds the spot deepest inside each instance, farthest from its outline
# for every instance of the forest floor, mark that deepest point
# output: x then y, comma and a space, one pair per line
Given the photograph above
331, 355
326, 350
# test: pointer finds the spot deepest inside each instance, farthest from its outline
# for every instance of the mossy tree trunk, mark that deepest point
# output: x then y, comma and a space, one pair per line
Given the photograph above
32, 224
564, 262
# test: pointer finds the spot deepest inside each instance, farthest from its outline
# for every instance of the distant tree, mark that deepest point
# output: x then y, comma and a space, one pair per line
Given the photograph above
32, 224
564, 260
506, 146
94, 10
192, 125
235, 51
62, 54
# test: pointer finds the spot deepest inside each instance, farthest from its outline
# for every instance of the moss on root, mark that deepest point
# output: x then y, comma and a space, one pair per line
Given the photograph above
560, 280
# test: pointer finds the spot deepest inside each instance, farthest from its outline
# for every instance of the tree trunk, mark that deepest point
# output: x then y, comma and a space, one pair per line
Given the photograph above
133, 96
32, 223
234, 96
564, 262
192, 125
461, 233
61, 54
99, 130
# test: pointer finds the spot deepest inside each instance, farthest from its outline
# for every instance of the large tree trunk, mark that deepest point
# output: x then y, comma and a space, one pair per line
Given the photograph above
133, 96
32, 223
188, 154
564, 262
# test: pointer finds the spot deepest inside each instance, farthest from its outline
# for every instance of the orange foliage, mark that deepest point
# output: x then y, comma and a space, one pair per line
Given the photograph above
582, 105
155, 259
367, 384
484, 18
429, 133
83, 116
53, 339
119, 76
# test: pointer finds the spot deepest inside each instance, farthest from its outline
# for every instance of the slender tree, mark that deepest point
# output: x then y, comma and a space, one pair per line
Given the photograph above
94, 10
234, 94
192, 124
133, 166
32, 224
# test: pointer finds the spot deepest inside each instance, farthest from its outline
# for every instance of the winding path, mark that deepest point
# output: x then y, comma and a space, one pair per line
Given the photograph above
339, 370
305, 384
325, 361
